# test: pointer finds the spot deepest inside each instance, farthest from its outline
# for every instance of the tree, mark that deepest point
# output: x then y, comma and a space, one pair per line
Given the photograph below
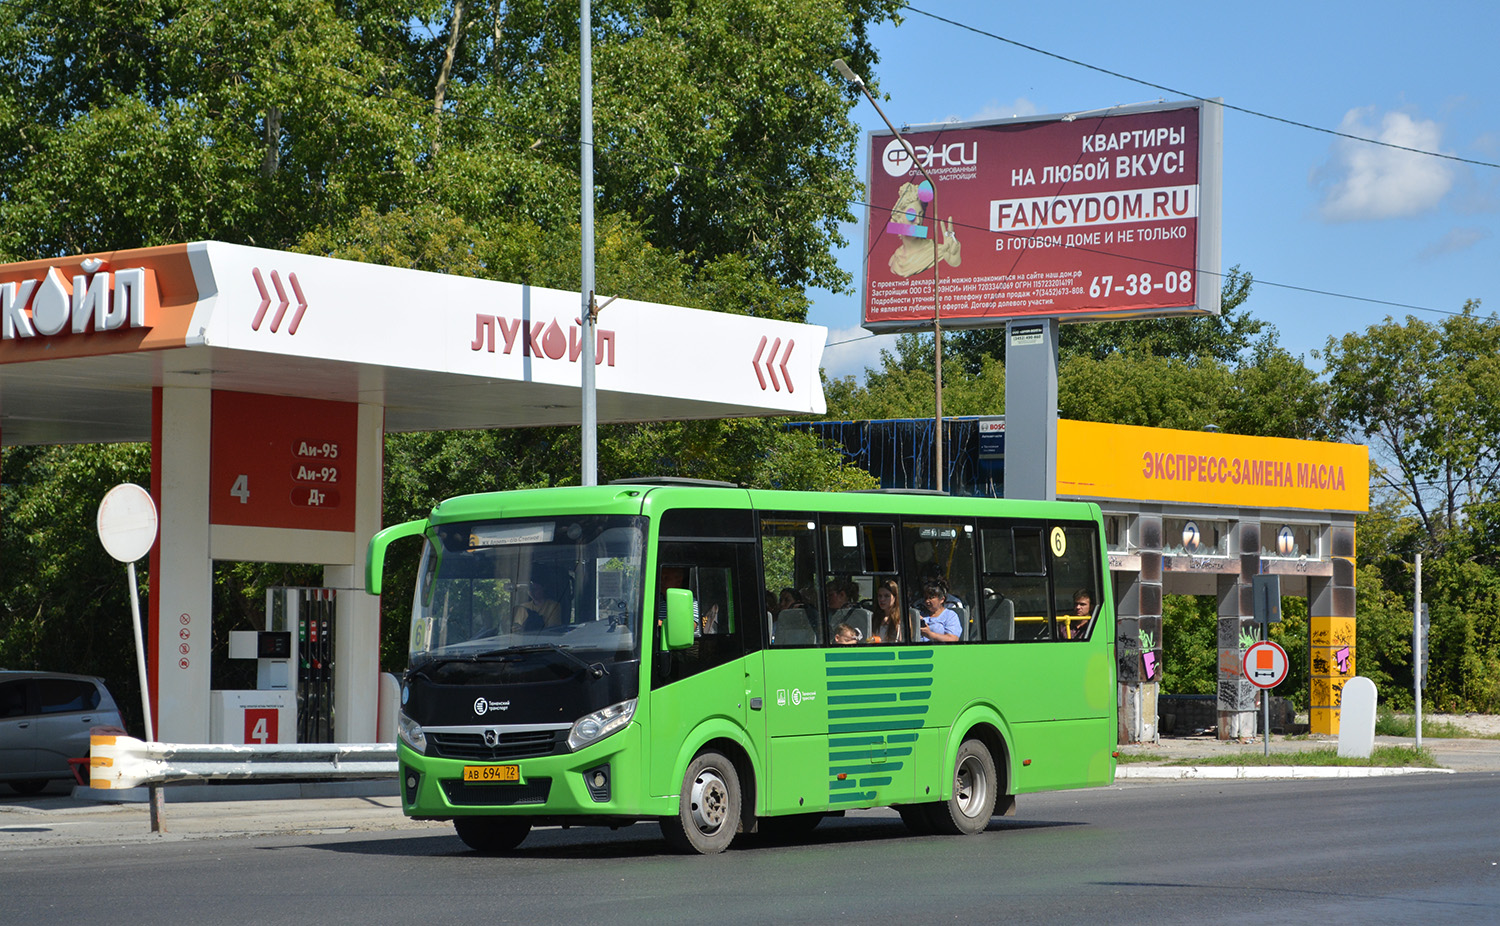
64, 602
724, 169
720, 130
1224, 337
1225, 372
1426, 398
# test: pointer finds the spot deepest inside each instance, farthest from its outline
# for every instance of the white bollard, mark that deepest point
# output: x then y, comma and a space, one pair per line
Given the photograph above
1357, 718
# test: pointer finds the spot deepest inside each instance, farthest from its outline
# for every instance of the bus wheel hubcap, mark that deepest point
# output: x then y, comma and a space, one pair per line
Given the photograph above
969, 786
710, 801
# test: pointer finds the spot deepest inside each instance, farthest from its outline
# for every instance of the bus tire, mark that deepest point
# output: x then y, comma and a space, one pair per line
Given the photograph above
708, 815
975, 789
492, 835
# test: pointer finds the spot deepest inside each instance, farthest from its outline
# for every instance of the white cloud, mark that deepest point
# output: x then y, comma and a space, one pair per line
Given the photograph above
995, 110
1364, 181
851, 350
1457, 239
992, 110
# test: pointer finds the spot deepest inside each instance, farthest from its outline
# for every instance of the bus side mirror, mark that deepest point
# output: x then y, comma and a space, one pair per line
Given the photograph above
679, 629
375, 553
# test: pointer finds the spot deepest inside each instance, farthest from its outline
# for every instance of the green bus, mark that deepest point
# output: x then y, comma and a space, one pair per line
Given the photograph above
726, 660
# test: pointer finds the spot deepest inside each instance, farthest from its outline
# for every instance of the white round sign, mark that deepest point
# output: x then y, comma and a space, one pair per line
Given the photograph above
127, 522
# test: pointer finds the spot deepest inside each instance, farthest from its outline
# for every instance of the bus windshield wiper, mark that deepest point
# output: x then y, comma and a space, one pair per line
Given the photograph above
595, 670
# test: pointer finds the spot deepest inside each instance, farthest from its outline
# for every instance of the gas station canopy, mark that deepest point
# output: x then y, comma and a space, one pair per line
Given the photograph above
85, 340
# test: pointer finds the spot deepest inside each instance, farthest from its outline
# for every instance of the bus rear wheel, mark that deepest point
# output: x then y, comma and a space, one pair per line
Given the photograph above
975, 789
708, 815
492, 835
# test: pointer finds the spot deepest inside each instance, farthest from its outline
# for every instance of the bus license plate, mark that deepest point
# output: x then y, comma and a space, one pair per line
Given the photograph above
492, 773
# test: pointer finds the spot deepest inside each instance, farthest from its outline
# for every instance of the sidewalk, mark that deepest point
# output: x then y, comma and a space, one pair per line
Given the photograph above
1452, 755
59, 819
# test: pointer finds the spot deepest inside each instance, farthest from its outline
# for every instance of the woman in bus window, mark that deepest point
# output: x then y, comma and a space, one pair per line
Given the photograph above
888, 626
939, 623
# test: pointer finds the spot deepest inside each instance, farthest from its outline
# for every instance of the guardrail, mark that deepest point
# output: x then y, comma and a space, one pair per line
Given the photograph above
119, 762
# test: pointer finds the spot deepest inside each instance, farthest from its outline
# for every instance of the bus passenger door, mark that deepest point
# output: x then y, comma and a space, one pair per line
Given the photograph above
707, 683
834, 739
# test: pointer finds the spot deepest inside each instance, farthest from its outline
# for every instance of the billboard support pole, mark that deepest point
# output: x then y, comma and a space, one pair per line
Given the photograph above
937, 325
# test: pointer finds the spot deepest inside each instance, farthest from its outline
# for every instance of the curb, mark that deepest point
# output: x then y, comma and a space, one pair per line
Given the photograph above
1179, 772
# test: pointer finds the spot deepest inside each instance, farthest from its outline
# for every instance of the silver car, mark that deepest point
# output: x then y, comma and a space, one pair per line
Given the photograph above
45, 719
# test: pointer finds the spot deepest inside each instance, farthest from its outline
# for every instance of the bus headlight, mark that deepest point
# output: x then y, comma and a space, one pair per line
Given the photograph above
411, 733
599, 724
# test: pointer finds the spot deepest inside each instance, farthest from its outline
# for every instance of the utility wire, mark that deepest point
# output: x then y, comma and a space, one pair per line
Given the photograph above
1239, 109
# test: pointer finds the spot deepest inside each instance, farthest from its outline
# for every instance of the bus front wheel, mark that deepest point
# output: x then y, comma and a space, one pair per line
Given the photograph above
708, 815
491, 835
975, 790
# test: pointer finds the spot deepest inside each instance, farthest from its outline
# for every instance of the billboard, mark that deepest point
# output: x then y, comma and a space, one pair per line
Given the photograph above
1109, 214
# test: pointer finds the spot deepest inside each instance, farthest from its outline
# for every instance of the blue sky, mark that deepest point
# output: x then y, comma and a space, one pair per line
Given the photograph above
1303, 209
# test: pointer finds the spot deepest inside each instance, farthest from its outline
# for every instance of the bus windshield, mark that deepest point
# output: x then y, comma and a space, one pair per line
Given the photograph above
487, 589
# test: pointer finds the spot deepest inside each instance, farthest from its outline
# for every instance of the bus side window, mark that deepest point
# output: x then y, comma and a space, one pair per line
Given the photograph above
721, 576
1014, 574
789, 554
1076, 581
942, 551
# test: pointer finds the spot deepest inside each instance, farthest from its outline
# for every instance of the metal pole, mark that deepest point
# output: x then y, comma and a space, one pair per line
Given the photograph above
590, 413
1416, 650
937, 330
937, 349
155, 792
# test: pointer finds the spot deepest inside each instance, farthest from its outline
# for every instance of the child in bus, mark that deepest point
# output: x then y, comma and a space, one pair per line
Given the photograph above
844, 635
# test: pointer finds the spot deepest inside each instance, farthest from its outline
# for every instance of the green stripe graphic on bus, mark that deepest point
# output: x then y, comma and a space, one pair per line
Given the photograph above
877, 699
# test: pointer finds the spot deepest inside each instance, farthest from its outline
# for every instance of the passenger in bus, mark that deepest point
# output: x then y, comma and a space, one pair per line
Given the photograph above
844, 635
888, 626
790, 598
842, 596
939, 623
542, 610
1083, 613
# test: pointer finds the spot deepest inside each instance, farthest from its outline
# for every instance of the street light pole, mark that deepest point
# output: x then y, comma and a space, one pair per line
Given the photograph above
589, 416
937, 323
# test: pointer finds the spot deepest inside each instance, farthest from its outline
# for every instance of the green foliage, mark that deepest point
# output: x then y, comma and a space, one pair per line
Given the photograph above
64, 602
1293, 633
720, 130
1190, 644
1225, 337
1427, 399
1226, 372
1388, 723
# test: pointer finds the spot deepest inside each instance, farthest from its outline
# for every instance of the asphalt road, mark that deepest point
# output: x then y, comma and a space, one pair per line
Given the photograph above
1418, 849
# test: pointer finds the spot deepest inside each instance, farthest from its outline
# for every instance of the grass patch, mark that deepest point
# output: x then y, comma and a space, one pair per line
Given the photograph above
1405, 725
1139, 758
1382, 757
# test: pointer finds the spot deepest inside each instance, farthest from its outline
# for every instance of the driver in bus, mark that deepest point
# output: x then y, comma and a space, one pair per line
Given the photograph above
542, 610
677, 577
